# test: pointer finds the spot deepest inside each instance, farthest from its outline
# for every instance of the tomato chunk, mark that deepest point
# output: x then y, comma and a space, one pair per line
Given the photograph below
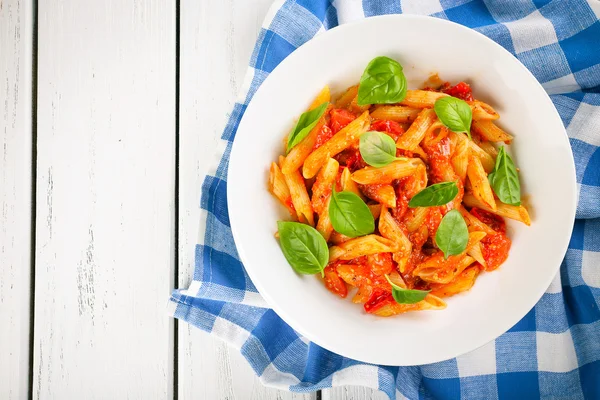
461, 90
378, 299
434, 218
340, 118
334, 283
495, 250
351, 158
381, 263
494, 221
392, 128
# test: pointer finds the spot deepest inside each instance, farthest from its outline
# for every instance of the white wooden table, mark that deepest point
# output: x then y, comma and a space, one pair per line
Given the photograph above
109, 115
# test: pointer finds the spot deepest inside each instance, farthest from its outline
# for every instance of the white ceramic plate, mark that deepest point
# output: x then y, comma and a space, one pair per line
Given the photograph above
540, 149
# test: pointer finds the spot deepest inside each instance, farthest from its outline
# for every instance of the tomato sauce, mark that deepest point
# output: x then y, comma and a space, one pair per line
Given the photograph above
371, 190
392, 128
405, 189
404, 153
289, 204
401, 202
494, 221
340, 117
461, 90
495, 248
351, 158
324, 135
439, 161
416, 257
434, 217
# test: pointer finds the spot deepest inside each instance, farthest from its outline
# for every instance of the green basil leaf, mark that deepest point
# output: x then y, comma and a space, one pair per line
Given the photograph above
454, 113
504, 179
350, 215
305, 123
377, 149
303, 247
452, 234
434, 195
406, 296
382, 82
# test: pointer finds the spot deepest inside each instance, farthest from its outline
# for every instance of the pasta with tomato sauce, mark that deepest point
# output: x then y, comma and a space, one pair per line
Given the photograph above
411, 206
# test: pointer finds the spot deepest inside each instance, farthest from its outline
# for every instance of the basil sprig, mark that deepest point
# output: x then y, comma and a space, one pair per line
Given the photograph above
378, 149
434, 195
382, 82
454, 113
303, 247
350, 215
406, 296
452, 234
305, 123
504, 179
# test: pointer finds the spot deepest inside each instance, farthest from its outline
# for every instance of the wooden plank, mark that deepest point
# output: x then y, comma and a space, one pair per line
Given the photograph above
16, 39
217, 38
105, 200
353, 393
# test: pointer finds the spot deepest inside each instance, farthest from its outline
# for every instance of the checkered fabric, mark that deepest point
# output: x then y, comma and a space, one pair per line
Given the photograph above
554, 351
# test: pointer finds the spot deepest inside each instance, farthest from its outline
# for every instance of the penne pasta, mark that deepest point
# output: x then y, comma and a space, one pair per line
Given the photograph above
284, 143
490, 131
384, 175
321, 189
348, 184
486, 160
396, 113
436, 268
279, 188
446, 273
518, 213
477, 254
362, 246
474, 223
396, 279
436, 132
388, 228
460, 157
489, 148
324, 96
482, 111
324, 223
340, 141
413, 136
431, 302
383, 194
352, 274
301, 151
415, 218
375, 210
299, 196
345, 99
421, 153
338, 238
421, 98
461, 283
355, 108
479, 182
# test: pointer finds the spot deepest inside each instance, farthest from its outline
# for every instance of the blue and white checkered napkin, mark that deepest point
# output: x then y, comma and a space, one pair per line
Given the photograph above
554, 352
